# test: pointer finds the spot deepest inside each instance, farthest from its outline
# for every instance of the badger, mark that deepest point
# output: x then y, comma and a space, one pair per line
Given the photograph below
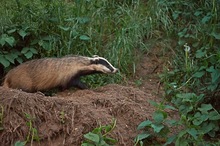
47, 73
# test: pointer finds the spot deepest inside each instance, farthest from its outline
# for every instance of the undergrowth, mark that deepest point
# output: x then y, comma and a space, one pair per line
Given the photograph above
192, 79
99, 136
119, 30
54, 28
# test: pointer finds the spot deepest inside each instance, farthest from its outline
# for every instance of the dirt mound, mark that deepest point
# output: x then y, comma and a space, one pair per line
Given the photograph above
63, 119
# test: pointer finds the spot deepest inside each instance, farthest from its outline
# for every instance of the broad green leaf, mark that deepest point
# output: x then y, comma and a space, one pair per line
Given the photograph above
186, 96
170, 107
84, 38
87, 144
196, 120
10, 57
157, 127
207, 127
108, 128
28, 55
19, 59
200, 53
215, 35
2, 41
44, 44
47, 38
110, 140
11, 31
195, 44
10, 41
64, 28
193, 132
144, 124
205, 108
20, 143
212, 87
171, 122
97, 130
22, 33
206, 18
204, 117
15, 53
143, 136
210, 69
158, 116
214, 115
185, 109
200, 118
25, 50
175, 14
197, 13
182, 33
82, 20
153, 103
33, 50
170, 140
199, 74
4, 61
212, 133
53, 19
181, 133
102, 143
93, 137
181, 142
215, 75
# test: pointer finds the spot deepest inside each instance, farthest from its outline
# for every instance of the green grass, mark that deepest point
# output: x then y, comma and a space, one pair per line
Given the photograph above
112, 29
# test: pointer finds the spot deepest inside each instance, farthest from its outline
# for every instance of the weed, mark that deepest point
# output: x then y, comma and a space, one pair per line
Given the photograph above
19, 143
55, 28
158, 128
98, 137
32, 134
62, 117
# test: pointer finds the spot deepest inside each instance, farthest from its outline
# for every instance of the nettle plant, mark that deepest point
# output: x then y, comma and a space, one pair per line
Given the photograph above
11, 42
158, 128
199, 119
99, 136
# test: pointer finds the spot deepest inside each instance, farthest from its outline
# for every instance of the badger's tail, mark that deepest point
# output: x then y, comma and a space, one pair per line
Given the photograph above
5, 83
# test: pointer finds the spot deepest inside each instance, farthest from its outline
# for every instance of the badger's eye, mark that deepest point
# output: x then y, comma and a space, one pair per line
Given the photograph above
97, 61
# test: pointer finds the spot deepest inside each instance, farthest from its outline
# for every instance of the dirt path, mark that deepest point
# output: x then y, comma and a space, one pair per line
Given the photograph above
64, 118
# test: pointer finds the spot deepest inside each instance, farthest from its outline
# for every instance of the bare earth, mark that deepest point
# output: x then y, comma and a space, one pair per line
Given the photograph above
64, 118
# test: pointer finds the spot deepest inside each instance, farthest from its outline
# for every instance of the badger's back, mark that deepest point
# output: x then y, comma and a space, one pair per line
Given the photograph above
42, 74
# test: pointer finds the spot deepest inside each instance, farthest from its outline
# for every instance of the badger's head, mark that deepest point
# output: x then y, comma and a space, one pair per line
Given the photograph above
102, 65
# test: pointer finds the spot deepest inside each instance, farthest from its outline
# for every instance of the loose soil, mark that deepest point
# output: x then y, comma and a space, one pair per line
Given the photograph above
63, 119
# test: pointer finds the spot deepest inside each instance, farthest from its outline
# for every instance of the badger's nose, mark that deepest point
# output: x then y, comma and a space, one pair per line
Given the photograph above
115, 70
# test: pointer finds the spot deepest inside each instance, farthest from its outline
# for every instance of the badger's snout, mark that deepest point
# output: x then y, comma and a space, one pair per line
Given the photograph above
115, 70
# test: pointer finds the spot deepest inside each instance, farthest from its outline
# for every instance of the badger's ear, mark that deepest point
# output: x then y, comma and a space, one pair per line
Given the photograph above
94, 56
95, 61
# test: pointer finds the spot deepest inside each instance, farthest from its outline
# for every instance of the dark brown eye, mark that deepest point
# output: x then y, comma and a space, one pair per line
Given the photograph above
97, 61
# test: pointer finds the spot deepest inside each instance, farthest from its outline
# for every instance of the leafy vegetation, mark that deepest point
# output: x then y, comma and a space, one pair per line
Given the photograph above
33, 133
158, 128
118, 30
54, 28
192, 79
98, 137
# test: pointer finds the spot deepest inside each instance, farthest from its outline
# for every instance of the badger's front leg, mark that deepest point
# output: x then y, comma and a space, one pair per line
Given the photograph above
75, 82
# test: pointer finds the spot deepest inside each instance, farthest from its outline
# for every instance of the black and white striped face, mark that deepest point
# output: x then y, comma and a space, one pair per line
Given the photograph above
103, 65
